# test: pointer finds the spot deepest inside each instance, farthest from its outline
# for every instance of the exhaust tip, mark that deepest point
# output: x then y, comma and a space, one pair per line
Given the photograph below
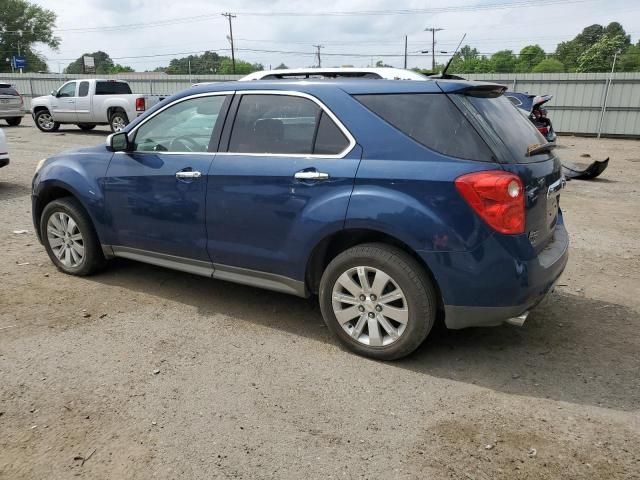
517, 321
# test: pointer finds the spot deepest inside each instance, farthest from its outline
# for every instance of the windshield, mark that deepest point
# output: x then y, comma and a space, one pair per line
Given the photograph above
514, 129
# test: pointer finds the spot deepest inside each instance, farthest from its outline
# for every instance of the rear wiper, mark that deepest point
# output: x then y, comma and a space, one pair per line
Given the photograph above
538, 148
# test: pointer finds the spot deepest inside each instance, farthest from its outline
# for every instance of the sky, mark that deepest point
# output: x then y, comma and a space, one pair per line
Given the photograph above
145, 34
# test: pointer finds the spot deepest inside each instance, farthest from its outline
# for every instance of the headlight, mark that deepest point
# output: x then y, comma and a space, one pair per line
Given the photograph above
40, 164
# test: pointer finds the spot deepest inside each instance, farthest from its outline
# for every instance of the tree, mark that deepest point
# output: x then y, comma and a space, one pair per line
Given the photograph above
209, 63
22, 26
381, 64
548, 65
599, 56
530, 56
103, 63
282, 66
630, 60
503, 61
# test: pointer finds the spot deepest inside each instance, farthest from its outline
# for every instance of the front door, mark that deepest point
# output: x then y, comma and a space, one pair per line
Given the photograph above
155, 194
63, 105
283, 182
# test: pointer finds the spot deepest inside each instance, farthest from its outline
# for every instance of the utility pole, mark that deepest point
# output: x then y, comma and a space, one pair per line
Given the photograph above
405, 52
433, 45
233, 54
318, 47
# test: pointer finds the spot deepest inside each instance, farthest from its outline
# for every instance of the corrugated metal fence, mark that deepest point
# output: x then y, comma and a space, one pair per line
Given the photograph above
583, 103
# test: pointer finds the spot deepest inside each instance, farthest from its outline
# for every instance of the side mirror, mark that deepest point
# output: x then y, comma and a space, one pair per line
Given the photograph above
118, 142
54, 93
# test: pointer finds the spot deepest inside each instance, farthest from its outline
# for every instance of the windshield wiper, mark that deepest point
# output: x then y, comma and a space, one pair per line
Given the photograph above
538, 148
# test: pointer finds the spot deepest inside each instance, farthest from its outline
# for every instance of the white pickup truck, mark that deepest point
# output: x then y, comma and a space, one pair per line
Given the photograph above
91, 102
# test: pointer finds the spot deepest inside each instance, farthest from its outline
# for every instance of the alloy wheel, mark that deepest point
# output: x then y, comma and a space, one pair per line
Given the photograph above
45, 121
370, 306
65, 239
118, 124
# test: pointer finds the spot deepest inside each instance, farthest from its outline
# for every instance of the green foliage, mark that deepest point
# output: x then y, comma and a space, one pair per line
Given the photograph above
282, 66
503, 61
36, 25
209, 63
529, 57
103, 62
549, 65
599, 56
630, 60
381, 64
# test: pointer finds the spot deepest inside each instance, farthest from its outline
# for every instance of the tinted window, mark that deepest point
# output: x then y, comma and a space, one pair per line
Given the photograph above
432, 120
112, 88
67, 90
329, 140
83, 89
274, 124
184, 127
8, 91
513, 128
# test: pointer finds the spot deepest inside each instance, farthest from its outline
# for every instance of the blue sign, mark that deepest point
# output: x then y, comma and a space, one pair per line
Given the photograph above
18, 62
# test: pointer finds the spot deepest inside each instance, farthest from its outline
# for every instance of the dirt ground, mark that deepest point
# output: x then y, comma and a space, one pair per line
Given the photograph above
141, 372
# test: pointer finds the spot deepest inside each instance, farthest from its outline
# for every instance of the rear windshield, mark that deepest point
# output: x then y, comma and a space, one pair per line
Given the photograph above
432, 120
512, 127
112, 88
8, 91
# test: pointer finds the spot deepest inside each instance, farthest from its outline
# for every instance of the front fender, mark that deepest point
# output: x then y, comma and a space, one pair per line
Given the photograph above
82, 174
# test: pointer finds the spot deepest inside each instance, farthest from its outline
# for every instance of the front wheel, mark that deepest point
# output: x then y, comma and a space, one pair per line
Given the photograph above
378, 300
69, 238
118, 121
45, 122
14, 122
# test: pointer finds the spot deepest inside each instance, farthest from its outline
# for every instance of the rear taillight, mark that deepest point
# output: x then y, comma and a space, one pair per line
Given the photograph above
543, 130
140, 106
497, 196
21, 100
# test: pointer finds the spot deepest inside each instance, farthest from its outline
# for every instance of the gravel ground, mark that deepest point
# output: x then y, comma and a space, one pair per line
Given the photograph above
141, 372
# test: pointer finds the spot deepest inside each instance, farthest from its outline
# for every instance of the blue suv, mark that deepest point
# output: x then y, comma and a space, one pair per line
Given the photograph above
396, 202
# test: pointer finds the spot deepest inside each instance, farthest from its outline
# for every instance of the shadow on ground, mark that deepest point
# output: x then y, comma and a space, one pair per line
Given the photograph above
571, 348
13, 190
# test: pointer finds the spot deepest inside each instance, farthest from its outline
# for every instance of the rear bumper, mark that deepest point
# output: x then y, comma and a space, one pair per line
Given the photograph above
490, 285
18, 112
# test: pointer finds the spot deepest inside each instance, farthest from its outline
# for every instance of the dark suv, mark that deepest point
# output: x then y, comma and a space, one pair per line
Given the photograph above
392, 201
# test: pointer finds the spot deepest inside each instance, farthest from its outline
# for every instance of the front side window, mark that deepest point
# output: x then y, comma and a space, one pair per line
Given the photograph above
83, 89
67, 90
184, 127
432, 120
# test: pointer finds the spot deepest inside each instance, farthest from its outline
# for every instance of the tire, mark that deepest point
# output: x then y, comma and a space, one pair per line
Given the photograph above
14, 121
86, 126
118, 120
417, 307
44, 122
92, 257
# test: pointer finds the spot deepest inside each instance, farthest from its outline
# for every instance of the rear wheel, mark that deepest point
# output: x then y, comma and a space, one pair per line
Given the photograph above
378, 300
118, 121
45, 123
15, 121
86, 126
69, 238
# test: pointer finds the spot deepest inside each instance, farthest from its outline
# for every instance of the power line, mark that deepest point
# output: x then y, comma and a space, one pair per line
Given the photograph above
433, 31
233, 54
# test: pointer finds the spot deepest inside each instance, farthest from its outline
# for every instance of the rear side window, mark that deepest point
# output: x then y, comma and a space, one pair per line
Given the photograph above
8, 90
431, 120
329, 140
112, 88
83, 89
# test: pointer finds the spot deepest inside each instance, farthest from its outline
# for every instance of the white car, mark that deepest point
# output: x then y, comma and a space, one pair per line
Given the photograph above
4, 150
90, 102
384, 73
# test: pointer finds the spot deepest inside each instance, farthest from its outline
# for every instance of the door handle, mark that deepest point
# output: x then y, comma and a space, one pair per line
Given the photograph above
188, 174
311, 175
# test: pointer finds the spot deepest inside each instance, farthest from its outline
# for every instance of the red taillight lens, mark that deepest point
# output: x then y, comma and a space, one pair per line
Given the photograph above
543, 130
140, 107
497, 196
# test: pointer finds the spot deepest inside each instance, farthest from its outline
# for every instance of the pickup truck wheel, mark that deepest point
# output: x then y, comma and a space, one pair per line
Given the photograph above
86, 126
14, 122
45, 123
69, 237
118, 121
378, 301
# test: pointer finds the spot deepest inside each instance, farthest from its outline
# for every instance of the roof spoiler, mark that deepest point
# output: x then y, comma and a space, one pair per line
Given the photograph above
490, 90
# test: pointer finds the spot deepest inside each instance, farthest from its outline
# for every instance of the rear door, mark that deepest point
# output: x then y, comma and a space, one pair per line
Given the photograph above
541, 174
10, 101
63, 105
83, 103
282, 178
